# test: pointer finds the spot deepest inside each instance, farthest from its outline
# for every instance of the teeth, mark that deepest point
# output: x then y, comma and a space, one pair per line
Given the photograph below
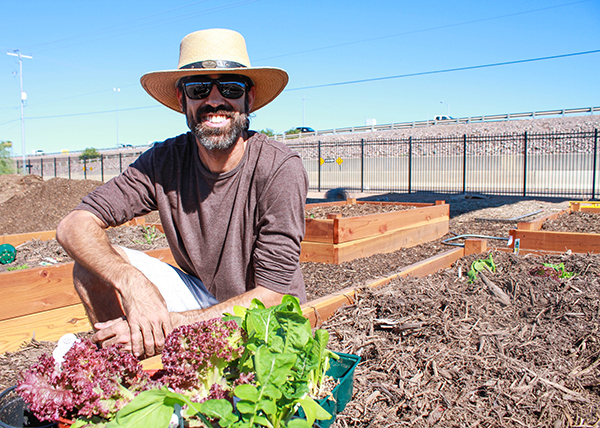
216, 119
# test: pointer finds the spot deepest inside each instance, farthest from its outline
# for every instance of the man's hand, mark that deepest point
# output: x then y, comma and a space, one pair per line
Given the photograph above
113, 332
147, 317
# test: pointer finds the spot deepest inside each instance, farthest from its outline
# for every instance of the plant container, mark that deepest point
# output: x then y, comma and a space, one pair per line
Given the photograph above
14, 413
342, 371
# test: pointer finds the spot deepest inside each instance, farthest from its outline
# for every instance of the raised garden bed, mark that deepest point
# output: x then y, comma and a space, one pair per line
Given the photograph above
560, 232
338, 239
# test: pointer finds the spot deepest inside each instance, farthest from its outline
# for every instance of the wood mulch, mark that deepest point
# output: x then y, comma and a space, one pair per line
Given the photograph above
354, 210
574, 222
438, 351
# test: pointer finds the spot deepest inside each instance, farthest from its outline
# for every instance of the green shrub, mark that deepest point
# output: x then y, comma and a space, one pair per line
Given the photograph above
7, 165
89, 153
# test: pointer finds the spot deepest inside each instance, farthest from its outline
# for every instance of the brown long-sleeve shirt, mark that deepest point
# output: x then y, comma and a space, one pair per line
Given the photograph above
235, 230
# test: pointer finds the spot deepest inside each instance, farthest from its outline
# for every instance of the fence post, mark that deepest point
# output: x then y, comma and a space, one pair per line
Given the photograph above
69, 162
362, 165
54, 167
409, 164
42, 167
85, 168
319, 166
595, 156
525, 165
120, 163
102, 168
464, 163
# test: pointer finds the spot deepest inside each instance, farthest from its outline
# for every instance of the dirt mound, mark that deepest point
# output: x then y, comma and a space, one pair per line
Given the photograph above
28, 203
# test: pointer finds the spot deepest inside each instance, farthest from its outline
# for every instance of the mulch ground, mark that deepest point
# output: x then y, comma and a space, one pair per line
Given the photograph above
438, 351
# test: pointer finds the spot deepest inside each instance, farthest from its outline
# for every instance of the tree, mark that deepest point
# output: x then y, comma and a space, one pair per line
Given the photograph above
7, 165
89, 153
268, 132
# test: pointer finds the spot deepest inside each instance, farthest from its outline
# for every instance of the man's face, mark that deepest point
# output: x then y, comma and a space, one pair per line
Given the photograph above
217, 121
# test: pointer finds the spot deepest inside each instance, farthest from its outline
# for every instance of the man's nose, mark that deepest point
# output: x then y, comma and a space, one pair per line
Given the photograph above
214, 97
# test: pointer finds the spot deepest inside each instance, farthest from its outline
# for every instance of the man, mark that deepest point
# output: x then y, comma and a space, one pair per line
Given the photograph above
231, 203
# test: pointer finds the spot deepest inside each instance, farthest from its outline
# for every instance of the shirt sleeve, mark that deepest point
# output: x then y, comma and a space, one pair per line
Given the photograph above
130, 194
281, 227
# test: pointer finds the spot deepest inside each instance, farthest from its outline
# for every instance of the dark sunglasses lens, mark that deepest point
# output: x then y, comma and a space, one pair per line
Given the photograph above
232, 90
198, 90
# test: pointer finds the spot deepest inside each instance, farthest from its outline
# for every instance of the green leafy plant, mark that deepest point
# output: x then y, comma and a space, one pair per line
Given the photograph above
479, 266
150, 234
24, 266
265, 360
556, 271
289, 365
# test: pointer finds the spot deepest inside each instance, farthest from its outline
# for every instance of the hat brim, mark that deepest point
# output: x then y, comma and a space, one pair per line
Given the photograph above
269, 82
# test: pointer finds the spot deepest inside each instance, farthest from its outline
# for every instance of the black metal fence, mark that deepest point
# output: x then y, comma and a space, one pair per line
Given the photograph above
548, 164
102, 168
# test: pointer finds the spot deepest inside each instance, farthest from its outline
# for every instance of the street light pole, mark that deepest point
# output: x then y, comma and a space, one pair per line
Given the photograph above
23, 98
447, 108
117, 90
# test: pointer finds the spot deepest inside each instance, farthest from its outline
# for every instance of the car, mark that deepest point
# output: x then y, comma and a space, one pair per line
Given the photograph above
124, 146
304, 129
39, 152
444, 117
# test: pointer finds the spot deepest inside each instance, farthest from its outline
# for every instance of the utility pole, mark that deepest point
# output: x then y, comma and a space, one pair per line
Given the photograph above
117, 90
17, 53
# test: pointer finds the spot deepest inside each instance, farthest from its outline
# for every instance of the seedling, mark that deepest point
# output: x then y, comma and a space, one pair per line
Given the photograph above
24, 266
555, 271
479, 266
150, 235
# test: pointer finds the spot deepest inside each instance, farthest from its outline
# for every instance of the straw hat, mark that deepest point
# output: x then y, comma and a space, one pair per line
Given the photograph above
214, 51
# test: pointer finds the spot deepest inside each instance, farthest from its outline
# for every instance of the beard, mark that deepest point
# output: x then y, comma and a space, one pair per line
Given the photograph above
218, 138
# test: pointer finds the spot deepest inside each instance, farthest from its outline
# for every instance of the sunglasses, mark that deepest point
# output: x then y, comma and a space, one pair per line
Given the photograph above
229, 87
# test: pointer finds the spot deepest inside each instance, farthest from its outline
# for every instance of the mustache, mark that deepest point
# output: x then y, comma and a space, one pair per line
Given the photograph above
221, 109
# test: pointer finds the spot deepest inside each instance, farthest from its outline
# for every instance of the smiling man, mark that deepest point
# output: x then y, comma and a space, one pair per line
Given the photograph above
230, 200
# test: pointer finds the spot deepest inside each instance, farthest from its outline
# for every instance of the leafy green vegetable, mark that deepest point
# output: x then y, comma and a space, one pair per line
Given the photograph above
289, 365
480, 265
560, 269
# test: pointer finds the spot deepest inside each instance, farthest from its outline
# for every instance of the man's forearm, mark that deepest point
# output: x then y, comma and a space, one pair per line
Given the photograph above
266, 296
82, 236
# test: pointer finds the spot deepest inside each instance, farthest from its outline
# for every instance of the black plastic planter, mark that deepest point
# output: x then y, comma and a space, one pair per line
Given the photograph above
15, 414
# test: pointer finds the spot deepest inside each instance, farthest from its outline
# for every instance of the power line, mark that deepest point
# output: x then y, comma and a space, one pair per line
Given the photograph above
422, 30
447, 70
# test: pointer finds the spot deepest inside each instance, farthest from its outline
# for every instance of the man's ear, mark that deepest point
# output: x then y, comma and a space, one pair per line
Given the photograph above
250, 97
181, 99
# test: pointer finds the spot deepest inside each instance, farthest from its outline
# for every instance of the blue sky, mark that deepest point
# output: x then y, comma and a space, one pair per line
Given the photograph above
82, 50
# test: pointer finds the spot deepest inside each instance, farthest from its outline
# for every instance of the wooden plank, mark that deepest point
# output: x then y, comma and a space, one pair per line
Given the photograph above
325, 204
319, 230
538, 223
388, 242
48, 325
425, 267
407, 204
21, 238
353, 228
40, 289
385, 243
475, 246
317, 252
556, 241
36, 290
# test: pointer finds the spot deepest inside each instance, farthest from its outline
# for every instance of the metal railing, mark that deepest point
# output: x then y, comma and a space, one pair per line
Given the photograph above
551, 164
523, 164
426, 123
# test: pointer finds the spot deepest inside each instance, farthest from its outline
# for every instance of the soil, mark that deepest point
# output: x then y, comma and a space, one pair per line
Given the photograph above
446, 353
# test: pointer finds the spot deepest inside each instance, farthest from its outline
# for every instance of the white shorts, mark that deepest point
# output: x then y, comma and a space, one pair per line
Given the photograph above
181, 291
